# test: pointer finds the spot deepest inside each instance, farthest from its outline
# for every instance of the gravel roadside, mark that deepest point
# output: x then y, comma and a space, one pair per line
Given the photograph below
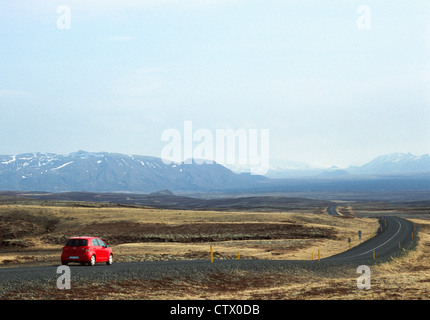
17, 279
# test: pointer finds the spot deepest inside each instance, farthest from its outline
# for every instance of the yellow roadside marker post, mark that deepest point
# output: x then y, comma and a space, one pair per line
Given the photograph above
312, 256
318, 255
212, 256
238, 255
373, 254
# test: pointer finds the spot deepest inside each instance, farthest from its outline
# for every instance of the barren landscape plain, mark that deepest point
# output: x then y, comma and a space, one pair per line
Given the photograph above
32, 233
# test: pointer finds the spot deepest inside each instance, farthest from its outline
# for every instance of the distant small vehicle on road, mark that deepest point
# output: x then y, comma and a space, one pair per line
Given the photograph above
86, 250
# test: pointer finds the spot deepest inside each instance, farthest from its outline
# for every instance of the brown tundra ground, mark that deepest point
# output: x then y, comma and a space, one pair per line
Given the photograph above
34, 235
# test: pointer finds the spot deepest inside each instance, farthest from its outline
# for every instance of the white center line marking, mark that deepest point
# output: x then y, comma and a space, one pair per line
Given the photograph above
400, 226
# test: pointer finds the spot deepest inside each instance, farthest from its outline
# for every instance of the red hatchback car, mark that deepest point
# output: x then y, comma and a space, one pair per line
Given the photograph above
86, 250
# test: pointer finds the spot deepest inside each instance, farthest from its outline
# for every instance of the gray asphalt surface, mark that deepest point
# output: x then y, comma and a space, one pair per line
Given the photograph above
395, 230
332, 211
385, 245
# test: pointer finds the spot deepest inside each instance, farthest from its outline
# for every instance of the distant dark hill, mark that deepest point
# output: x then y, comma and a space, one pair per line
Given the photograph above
157, 200
165, 192
111, 172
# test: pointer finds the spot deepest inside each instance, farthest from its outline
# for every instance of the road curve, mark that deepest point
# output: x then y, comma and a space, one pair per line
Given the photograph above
332, 211
385, 244
394, 235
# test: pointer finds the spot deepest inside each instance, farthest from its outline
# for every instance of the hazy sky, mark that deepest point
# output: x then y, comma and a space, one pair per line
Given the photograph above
334, 84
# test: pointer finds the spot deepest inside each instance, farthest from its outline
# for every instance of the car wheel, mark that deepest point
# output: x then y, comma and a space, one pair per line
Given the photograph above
93, 260
109, 262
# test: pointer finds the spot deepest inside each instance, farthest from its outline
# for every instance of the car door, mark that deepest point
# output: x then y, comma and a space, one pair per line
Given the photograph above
104, 253
97, 249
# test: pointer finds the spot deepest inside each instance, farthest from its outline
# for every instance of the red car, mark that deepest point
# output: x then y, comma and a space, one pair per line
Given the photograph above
86, 250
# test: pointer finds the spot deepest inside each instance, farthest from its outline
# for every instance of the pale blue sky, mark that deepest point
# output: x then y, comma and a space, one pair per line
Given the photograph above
330, 93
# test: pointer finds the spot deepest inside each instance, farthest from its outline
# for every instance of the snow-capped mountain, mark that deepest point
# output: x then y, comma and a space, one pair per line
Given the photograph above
110, 172
394, 163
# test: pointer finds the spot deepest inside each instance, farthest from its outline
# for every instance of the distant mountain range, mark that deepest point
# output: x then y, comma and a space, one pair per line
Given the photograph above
112, 172
394, 163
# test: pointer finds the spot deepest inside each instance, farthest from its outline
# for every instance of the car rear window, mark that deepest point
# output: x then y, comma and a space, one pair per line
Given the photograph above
77, 243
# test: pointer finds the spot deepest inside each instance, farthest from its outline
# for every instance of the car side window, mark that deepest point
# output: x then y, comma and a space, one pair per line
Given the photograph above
96, 242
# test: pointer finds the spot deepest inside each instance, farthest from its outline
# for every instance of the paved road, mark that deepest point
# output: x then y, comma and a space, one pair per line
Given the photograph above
385, 245
395, 230
332, 211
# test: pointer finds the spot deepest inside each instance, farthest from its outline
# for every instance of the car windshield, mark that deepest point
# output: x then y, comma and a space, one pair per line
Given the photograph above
77, 242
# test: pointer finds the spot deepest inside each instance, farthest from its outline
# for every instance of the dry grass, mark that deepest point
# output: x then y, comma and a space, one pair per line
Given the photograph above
406, 277
33, 234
